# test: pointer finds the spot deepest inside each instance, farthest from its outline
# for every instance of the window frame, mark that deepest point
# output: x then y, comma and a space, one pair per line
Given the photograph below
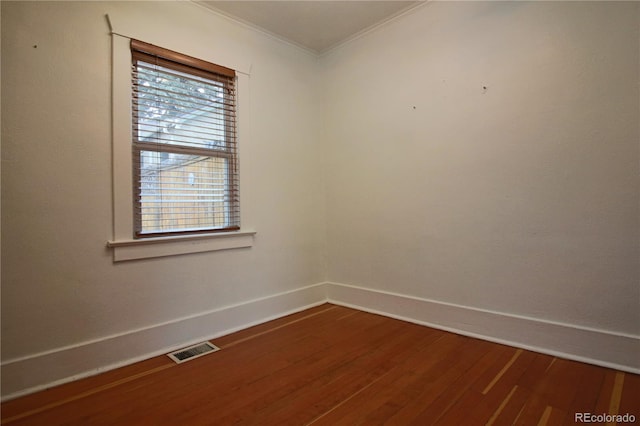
123, 244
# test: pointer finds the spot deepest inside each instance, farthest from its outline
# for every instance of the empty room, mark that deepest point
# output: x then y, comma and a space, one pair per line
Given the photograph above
324, 212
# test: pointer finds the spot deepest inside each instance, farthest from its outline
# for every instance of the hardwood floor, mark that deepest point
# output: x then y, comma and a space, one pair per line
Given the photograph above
332, 365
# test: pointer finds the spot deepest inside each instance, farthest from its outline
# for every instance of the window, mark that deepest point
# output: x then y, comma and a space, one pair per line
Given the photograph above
184, 150
181, 141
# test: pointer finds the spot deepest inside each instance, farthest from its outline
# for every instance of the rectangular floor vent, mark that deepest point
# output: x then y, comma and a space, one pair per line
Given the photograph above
195, 351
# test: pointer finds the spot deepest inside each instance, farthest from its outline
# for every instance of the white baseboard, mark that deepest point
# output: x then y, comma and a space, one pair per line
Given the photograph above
21, 376
600, 347
36, 372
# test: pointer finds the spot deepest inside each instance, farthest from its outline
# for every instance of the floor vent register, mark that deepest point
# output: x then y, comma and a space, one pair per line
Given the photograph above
193, 352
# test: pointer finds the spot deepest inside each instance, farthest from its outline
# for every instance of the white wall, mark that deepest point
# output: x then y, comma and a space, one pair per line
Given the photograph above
59, 284
521, 198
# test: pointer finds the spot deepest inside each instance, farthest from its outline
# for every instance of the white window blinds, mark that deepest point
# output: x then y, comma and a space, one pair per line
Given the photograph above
184, 144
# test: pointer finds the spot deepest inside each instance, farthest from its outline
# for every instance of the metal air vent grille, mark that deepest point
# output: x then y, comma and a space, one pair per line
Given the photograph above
192, 352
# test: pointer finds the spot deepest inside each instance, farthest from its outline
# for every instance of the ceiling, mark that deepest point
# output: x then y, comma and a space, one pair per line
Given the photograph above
316, 25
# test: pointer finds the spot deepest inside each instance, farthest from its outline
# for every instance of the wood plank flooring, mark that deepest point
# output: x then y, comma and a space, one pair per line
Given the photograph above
332, 365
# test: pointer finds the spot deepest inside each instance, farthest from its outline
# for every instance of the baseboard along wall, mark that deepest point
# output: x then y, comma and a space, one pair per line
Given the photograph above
600, 347
36, 372
25, 375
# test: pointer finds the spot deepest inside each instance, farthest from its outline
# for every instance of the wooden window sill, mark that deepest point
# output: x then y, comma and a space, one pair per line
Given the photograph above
145, 248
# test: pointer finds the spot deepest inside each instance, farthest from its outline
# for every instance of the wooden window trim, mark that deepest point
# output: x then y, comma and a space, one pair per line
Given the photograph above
140, 48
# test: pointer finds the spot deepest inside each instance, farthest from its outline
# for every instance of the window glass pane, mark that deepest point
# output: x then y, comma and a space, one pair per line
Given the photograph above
179, 109
183, 192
